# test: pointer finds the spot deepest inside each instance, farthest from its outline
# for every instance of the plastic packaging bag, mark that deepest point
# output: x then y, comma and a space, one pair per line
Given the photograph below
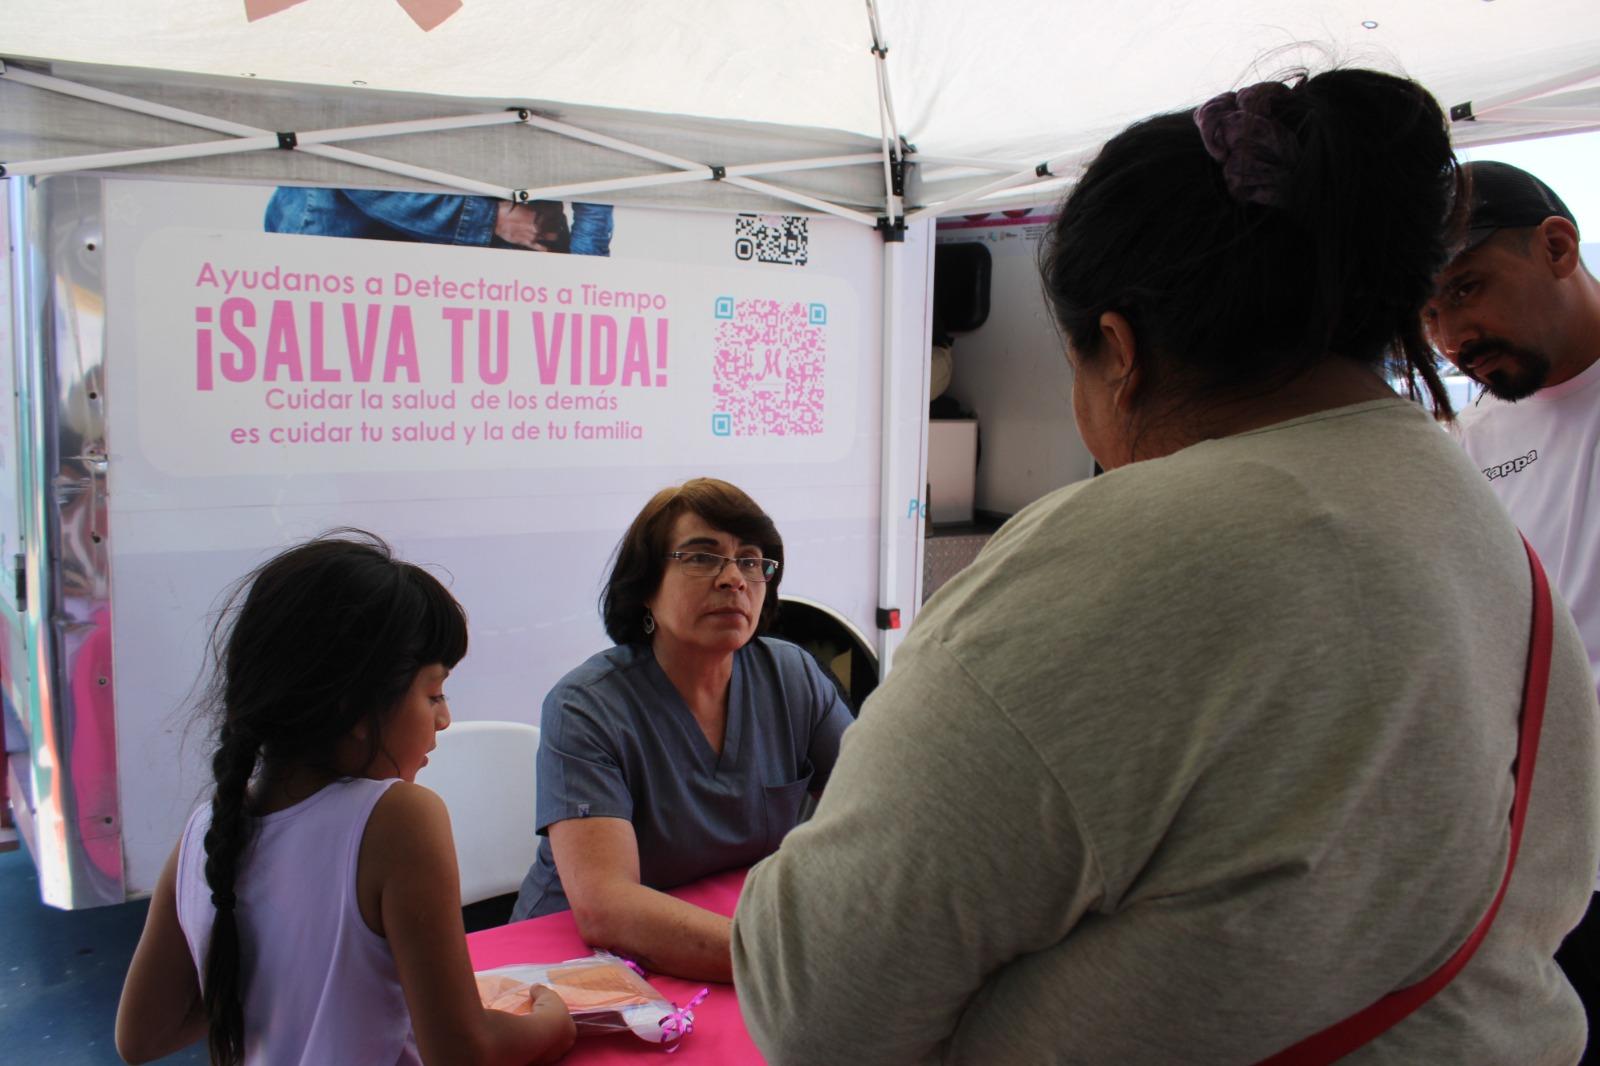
602, 993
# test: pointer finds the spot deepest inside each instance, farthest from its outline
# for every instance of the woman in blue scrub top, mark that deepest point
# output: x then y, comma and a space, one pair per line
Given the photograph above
689, 747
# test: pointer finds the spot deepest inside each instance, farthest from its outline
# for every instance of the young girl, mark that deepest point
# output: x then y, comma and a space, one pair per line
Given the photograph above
311, 913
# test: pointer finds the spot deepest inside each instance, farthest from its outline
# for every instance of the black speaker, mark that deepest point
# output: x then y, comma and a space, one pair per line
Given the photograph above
961, 286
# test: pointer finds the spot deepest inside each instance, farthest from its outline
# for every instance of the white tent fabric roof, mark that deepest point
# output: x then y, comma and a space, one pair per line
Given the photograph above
1028, 80
789, 62
1011, 80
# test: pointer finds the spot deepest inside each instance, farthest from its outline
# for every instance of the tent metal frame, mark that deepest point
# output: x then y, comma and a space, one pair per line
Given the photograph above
1501, 110
893, 226
323, 143
1479, 109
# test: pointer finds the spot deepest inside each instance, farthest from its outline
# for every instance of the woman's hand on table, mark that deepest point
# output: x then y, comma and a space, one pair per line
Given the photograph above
598, 859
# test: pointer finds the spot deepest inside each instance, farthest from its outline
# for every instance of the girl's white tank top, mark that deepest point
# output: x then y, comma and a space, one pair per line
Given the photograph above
319, 986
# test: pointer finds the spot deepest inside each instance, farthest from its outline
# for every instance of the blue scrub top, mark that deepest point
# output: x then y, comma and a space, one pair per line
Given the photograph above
617, 741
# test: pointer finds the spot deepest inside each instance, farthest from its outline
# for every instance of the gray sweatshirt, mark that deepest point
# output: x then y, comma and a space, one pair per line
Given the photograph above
1198, 758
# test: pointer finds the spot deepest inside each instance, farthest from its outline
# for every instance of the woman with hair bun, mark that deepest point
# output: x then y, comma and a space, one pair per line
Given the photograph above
1206, 757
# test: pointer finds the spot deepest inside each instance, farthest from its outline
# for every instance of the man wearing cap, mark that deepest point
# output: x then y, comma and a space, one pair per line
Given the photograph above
1518, 312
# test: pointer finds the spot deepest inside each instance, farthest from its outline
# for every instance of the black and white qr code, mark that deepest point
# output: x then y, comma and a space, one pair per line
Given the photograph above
771, 238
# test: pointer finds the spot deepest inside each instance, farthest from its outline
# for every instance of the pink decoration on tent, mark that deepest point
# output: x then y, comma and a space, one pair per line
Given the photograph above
425, 13
429, 13
260, 9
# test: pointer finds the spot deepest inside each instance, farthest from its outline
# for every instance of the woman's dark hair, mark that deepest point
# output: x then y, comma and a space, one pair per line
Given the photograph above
1234, 289
641, 555
319, 639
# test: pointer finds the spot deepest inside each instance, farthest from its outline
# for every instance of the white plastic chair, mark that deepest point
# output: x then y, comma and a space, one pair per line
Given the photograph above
484, 772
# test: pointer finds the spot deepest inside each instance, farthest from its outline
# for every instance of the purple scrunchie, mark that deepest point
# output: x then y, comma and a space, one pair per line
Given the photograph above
1256, 151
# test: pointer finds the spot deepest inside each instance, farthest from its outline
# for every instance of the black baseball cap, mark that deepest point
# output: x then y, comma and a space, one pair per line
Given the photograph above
1508, 197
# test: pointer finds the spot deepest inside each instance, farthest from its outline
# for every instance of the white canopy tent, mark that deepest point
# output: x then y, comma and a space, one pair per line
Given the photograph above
885, 113
999, 88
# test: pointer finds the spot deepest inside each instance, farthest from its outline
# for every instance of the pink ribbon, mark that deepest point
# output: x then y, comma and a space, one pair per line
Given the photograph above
427, 14
680, 1023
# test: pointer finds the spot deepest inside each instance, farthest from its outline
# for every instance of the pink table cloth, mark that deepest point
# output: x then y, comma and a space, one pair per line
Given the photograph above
718, 1036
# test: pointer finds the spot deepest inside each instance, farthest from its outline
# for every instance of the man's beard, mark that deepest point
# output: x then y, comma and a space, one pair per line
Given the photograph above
1523, 373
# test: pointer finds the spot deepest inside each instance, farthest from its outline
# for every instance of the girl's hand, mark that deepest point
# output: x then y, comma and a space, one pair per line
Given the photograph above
551, 1013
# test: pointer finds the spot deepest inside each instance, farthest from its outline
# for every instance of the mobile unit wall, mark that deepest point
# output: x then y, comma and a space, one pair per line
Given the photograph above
1012, 371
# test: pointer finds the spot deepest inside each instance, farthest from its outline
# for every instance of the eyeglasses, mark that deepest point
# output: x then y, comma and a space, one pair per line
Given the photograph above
704, 564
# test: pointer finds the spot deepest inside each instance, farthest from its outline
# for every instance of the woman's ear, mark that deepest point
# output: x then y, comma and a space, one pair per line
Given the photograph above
1119, 355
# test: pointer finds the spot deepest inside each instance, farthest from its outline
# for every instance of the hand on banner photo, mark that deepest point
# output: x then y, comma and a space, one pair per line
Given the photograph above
540, 226
440, 218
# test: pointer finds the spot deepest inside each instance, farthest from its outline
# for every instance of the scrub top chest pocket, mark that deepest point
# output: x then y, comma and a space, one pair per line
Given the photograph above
783, 802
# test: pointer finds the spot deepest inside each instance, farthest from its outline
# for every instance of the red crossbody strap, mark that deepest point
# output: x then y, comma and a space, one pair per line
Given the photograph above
1341, 1038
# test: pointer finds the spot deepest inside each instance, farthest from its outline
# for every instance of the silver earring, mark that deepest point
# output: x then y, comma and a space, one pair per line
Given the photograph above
649, 622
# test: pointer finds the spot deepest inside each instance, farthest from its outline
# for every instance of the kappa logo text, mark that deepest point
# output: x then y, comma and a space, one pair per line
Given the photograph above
1511, 466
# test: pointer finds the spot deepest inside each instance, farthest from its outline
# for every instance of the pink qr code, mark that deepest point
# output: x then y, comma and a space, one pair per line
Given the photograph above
768, 377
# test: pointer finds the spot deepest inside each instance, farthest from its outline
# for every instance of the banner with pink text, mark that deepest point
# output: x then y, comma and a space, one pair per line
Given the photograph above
354, 334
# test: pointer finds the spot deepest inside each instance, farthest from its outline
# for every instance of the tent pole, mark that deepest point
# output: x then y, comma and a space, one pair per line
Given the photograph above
419, 125
603, 141
820, 163
888, 512
973, 196
644, 181
1040, 174
1479, 108
261, 142
1542, 114
218, 125
891, 432
406, 170
1488, 135
780, 193
888, 128
250, 138
890, 149
734, 175
69, 164
962, 162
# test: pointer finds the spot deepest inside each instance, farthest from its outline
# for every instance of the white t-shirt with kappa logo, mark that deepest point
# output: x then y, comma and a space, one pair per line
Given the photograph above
1542, 457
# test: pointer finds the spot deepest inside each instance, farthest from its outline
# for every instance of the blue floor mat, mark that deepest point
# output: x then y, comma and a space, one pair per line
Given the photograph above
61, 973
